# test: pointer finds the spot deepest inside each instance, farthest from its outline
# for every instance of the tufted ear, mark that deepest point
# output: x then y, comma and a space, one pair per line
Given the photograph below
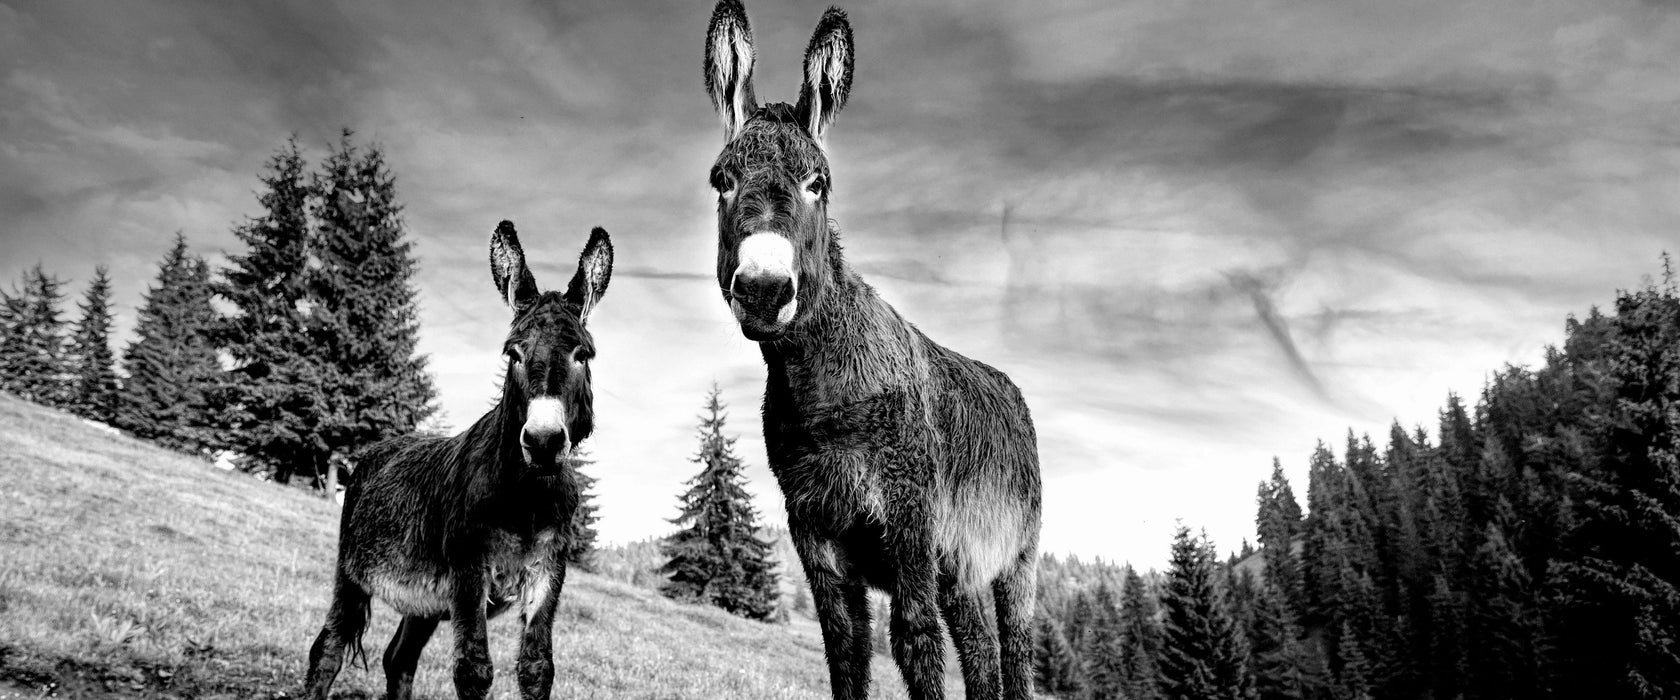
828, 72
507, 266
594, 271
729, 66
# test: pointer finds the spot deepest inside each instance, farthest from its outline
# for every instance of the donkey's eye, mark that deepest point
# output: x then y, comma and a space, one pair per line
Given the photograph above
515, 354
818, 185
583, 354
723, 182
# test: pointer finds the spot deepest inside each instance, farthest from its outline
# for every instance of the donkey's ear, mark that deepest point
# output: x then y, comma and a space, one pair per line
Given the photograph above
593, 273
507, 266
828, 72
729, 66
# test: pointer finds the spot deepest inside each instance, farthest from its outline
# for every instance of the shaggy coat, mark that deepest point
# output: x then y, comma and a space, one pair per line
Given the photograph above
906, 466
462, 528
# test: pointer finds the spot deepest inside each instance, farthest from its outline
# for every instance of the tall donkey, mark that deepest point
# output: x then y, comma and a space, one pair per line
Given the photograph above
906, 466
461, 528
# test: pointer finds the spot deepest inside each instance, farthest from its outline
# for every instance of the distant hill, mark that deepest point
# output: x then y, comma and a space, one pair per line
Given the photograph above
127, 570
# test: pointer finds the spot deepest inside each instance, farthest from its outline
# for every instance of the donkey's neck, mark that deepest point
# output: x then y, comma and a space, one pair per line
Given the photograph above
853, 345
494, 437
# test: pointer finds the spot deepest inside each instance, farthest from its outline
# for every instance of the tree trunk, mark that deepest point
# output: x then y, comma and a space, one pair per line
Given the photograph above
332, 478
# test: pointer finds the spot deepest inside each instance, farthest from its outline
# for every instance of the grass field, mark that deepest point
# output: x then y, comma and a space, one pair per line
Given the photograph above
130, 571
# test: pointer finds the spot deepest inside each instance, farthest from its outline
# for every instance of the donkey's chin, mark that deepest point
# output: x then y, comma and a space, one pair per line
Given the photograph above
758, 328
762, 334
546, 465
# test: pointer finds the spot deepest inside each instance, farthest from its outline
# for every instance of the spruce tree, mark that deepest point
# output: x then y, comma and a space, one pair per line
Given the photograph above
97, 389
1617, 593
1283, 669
717, 557
1140, 640
1201, 655
1279, 524
1353, 679
1081, 614
1100, 652
32, 352
11, 338
173, 371
276, 384
363, 323
1054, 663
1503, 633
581, 553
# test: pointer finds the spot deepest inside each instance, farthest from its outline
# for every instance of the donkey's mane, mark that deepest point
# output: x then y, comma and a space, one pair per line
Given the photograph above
779, 113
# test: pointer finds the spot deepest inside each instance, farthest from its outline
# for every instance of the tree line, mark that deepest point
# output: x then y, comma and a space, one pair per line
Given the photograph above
296, 353
1529, 548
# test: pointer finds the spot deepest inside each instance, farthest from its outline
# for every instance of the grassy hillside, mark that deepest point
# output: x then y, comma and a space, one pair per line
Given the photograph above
126, 570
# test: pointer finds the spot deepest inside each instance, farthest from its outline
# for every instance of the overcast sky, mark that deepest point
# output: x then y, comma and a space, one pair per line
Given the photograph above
1198, 235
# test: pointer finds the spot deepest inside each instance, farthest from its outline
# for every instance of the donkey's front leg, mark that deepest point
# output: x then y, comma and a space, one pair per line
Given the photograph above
472, 649
917, 640
536, 646
842, 604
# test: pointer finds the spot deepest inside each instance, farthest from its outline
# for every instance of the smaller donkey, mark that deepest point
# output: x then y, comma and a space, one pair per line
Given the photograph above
461, 528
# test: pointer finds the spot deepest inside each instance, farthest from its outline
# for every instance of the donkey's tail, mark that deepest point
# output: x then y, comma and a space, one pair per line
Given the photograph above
359, 618
352, 606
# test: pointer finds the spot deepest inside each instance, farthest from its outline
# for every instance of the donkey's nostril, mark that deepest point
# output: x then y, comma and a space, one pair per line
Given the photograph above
542, 445
764, 295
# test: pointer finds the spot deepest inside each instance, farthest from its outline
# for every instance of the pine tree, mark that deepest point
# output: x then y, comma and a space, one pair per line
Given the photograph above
363, 324
1279, 524
1446, 645
97, 389
173, 371
1617, 593
717, 558
1504, 627
1353, 681
1319, 539
1100, 652
11, 338
276, 385
1283, 668
32, 351
581, 553
1140, 640
1081, 613
1054, 662
1201, 655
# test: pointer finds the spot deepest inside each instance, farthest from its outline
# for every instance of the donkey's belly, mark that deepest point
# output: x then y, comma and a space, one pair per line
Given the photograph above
411, 592
516, 569
978, 533
976, 530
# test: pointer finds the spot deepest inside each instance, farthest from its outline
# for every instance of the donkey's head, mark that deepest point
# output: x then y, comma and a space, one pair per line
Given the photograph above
772, 179
548, 347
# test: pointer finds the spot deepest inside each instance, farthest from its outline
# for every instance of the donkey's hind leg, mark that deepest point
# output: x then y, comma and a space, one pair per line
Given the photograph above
1016, 592
402, 656
347, 617
977, 648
